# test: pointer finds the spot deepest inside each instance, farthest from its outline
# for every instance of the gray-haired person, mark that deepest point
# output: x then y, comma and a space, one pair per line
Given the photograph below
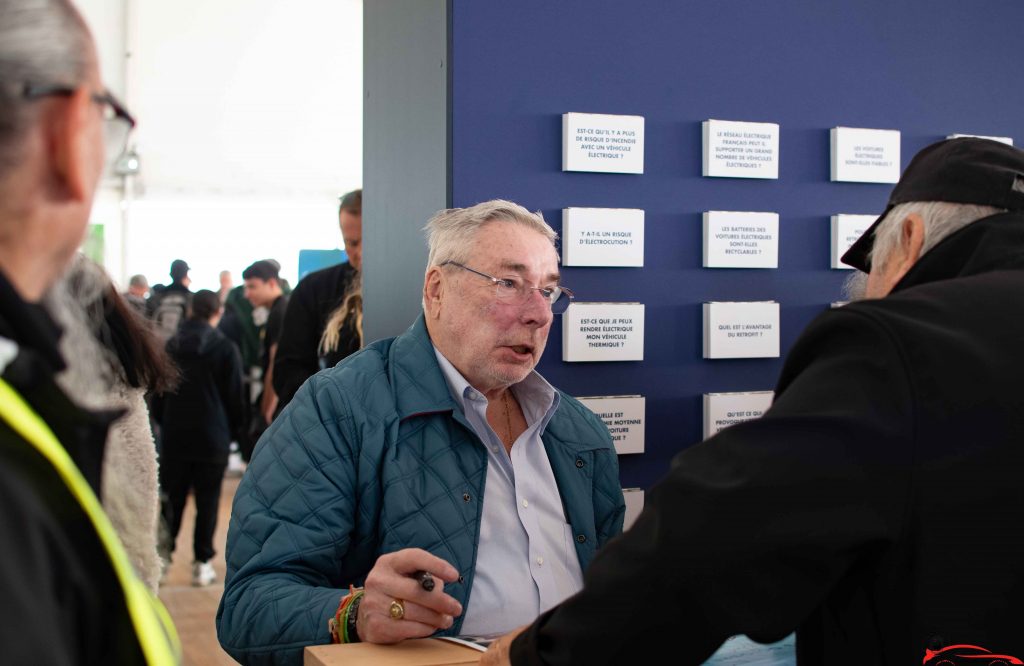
440, 451
70, 595
876, 508
138, 289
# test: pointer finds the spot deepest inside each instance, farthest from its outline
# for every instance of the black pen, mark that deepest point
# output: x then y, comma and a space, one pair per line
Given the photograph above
425, 579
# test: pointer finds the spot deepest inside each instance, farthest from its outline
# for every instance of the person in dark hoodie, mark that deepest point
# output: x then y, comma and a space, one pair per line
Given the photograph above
198, 420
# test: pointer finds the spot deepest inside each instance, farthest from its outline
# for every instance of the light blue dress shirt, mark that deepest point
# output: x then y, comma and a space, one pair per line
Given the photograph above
526, 561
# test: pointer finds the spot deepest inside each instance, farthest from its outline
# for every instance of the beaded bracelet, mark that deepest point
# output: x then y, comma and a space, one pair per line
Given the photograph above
351, 616
337, 624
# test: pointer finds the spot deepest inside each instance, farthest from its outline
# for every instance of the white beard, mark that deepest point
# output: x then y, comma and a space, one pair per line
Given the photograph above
855, 286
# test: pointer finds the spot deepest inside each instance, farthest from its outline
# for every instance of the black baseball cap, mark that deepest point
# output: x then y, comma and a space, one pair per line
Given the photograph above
967, 170
179, 269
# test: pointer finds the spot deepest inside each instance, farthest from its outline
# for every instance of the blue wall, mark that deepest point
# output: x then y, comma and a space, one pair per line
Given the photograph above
926, 68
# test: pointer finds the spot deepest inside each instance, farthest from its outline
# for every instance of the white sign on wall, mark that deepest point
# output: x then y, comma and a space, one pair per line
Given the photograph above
865, 155
722, 410
1001, 139
741, 240
634, 498
740, 150
846, 229
602, 237
602, 143
624, 417
603, 332
741, 330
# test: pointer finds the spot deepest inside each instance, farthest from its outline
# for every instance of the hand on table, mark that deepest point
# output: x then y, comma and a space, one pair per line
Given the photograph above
390, 582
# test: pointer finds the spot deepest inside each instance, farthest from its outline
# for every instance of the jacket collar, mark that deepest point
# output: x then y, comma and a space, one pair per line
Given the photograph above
30, 327
420, 388
990, 244
418, 383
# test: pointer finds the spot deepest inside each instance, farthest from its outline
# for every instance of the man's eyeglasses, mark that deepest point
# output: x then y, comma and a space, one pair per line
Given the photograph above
117, 122
513, 290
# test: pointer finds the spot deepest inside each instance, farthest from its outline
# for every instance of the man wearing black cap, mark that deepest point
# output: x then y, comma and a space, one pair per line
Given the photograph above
877, 507
169, 306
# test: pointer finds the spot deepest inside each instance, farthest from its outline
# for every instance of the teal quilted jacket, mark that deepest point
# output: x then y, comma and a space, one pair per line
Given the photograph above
370, 457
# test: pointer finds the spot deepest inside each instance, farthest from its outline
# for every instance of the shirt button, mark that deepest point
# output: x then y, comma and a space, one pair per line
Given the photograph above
540, 561
579, 463
466, 497
526, 503
581, 538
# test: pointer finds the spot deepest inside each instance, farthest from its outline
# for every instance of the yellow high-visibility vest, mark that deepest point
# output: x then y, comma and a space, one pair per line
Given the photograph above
153, 626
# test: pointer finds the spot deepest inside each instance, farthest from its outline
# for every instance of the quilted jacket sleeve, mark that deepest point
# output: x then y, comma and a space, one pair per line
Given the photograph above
291, 528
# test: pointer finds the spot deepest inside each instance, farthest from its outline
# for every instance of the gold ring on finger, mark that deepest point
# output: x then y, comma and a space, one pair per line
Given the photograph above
397, 609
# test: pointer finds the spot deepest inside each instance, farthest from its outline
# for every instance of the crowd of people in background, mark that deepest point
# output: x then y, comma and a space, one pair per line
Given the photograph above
222, 349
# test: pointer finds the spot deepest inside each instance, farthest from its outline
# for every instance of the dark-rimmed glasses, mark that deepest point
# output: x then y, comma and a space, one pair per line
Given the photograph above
515, 291
117, 121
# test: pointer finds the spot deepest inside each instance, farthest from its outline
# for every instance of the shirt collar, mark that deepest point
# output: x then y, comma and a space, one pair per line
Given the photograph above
538, 399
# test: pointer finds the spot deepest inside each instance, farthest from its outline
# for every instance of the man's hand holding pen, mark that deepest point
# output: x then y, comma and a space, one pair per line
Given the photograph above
425, 579
402, 600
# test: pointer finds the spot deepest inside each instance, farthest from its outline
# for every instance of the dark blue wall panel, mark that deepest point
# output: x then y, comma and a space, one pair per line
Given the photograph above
926, 67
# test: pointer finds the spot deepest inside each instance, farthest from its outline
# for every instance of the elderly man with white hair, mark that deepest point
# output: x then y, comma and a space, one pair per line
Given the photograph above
437, 470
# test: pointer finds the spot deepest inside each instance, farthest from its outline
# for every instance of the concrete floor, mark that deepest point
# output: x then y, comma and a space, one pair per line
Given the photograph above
194, 608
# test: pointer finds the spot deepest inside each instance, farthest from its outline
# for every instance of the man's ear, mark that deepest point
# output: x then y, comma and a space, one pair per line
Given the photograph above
911, 242
71, 145
433, 290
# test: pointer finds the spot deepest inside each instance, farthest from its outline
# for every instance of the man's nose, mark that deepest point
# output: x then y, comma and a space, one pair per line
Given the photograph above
537, 309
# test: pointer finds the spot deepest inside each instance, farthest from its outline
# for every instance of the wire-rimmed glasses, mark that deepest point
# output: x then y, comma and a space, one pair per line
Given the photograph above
515, 291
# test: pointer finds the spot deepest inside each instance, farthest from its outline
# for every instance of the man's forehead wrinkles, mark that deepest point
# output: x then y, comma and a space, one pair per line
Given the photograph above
521, 269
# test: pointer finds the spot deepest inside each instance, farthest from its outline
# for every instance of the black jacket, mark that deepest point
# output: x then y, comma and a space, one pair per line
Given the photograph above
877, 507
199, 419
61, 602
310, 305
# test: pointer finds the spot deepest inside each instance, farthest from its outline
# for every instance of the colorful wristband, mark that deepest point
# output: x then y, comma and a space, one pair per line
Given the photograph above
337, 624
351, 617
